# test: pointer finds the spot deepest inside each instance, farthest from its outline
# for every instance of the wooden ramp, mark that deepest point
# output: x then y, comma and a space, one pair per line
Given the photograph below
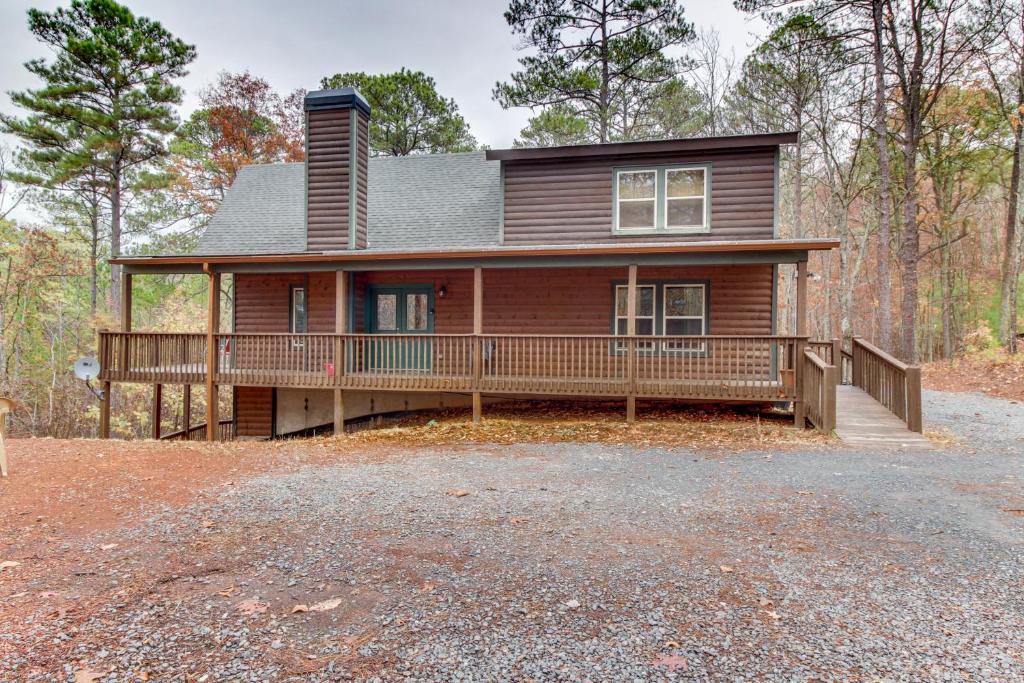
864, 422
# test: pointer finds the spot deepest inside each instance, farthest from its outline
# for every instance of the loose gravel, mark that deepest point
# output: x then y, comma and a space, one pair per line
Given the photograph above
574, 563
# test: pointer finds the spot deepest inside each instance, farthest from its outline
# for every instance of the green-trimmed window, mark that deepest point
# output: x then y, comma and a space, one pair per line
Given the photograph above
662, 199
665, 309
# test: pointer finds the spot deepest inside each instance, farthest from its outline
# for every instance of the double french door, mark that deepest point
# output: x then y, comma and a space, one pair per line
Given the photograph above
401, 310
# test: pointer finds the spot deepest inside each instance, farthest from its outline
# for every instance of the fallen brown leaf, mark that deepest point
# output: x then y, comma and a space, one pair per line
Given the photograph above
671, 662
300, 608
325, 605
726, 569
251, 606
456, 493
8, 564
87, 676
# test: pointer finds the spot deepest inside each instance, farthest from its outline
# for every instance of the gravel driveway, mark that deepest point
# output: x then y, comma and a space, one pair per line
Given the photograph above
579, 562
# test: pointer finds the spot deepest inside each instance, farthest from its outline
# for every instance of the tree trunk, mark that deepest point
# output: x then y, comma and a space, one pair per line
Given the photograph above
884, 181
115, 242
909, 246
1011, 251
94, 247
605, 75
946, 274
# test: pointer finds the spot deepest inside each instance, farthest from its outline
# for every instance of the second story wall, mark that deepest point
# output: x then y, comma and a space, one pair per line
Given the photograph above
569, 201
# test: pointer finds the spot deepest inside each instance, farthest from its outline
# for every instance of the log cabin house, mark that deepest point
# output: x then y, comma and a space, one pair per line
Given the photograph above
634, 270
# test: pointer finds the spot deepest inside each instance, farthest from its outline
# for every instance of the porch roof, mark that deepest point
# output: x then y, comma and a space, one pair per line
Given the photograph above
647, 253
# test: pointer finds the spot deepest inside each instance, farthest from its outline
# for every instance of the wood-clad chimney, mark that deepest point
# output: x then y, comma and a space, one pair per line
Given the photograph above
337, 152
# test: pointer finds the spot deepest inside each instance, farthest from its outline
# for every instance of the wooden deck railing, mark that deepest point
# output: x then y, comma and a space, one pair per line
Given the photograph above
198, 432
819, 390
760, 368
891, 382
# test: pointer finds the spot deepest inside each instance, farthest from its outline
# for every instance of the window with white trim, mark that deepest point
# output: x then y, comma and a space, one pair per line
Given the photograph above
645, 312
663, 199
685, 194
665, 309
638, 198
684, 313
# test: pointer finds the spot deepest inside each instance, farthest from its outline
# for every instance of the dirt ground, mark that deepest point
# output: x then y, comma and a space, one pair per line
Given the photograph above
992, 372
689, 544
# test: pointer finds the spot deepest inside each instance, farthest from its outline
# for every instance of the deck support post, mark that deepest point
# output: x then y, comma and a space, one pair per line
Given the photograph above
799, 406
126, 302
478, 330
631, 344
105, 411
340, 328
186, 408
155, 419
212, 329
913, 379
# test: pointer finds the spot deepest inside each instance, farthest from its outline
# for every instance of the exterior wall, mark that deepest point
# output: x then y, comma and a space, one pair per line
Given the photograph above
571, 301
577, 300
570, 201
327, 179
362, 171
253, 410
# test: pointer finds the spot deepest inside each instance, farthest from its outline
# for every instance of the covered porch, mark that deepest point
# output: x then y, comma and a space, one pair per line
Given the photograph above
681, 322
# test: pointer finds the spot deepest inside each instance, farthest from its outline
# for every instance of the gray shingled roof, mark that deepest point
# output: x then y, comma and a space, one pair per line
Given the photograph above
436, 201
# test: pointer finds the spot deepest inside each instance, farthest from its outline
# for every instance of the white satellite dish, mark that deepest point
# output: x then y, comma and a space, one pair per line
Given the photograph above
87, 368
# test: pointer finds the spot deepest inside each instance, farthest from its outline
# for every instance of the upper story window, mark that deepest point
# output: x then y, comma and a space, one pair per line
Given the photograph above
663, 199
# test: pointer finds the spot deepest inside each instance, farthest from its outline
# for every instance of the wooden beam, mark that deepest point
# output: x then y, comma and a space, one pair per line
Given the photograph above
478, 329
801, 297
105, 411
631, 344
212, 328
186, 408
126, 302
478, 300
340, 327
155, 417
913, 379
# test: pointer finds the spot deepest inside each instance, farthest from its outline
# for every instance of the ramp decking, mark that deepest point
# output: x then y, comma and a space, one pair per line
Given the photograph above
864, 422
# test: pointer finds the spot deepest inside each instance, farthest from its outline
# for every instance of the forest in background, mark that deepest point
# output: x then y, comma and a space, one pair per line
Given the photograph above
910, 152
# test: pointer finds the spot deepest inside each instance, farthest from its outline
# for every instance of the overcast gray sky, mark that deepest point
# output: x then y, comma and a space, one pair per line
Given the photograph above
466, 45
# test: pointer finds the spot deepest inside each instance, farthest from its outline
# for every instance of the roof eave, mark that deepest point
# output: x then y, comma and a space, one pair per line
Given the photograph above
356, 255
644, 147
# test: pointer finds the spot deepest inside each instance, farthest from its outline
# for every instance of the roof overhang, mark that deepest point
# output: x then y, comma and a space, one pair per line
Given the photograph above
644, 147
661, 253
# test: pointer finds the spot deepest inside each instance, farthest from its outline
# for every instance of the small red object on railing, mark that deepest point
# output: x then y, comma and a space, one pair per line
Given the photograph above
329, 367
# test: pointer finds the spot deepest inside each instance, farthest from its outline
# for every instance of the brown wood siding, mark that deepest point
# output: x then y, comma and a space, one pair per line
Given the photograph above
327, 170
363, 130
568, 202
253, 411
262, 303
575, 300
452, 315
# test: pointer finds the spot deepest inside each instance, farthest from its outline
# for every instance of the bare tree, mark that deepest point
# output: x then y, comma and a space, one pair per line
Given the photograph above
713, 76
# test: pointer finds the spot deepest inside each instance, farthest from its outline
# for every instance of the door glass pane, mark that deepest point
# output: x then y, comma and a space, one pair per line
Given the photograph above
680, 301
637, 185
416, 312
387, 310
685, 183
686, 213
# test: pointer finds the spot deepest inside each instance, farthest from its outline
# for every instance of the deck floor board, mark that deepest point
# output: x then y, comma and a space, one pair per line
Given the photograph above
864, 422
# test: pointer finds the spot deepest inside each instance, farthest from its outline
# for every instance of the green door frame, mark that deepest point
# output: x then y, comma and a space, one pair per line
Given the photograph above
422, 350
